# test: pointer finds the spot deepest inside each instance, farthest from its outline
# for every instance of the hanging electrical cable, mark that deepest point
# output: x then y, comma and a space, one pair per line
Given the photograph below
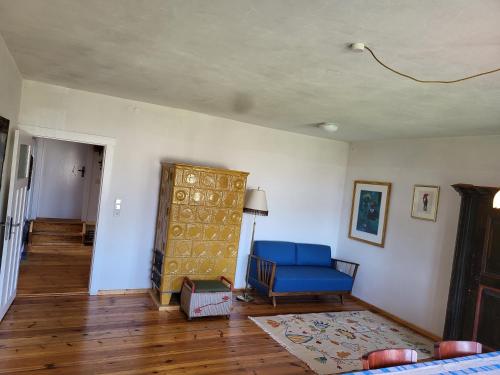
361, 47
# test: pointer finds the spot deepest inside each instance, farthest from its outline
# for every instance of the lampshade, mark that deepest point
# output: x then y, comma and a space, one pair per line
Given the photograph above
496, 200
256, 202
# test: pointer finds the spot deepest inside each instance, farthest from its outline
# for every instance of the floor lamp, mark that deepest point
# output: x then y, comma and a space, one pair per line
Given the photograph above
496, 200
255, 204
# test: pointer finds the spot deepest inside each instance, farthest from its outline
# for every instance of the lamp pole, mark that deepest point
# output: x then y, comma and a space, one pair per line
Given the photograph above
245, 297
257, 205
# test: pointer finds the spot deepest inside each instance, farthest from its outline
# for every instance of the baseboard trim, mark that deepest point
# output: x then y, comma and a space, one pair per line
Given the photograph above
397, 319
111, 292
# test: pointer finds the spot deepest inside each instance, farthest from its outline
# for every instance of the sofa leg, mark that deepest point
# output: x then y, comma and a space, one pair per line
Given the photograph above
341, 298
274, 301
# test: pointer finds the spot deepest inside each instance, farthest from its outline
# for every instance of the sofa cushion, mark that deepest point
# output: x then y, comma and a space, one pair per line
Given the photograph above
313, 255
310, 279
283, 253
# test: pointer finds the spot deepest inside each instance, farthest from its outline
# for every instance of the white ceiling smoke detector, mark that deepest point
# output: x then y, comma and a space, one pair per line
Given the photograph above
330, 127
358, 47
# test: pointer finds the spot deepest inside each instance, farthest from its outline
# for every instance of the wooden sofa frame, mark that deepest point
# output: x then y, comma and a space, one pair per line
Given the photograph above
266, 270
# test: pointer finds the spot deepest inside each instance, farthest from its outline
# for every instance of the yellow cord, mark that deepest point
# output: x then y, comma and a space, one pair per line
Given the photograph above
429, 81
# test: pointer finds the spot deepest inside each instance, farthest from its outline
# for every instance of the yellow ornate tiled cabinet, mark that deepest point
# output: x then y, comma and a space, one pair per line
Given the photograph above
198, 226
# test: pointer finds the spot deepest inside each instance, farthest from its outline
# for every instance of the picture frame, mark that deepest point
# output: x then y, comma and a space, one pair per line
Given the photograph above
425, 202
369, 212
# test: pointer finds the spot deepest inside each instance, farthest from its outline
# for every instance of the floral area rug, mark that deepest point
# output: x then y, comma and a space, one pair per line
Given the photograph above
335, 342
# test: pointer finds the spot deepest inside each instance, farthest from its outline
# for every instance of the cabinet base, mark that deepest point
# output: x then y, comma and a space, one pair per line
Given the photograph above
163, 301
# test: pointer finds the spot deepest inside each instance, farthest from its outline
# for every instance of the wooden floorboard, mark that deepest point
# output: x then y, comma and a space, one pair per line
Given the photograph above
63, 269
127, 335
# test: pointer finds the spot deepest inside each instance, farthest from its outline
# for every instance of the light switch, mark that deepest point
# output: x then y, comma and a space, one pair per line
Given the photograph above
118, 207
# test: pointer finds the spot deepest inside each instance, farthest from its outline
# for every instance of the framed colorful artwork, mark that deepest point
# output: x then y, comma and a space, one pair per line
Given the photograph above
370, 207
425, 202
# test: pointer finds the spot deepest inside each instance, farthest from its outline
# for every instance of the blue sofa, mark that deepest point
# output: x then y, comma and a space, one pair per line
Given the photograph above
280, 268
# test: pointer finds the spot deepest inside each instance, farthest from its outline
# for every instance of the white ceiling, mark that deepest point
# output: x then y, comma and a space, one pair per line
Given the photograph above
277, 63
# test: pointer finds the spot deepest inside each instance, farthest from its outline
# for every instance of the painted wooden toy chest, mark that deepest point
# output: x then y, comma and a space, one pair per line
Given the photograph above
206, 297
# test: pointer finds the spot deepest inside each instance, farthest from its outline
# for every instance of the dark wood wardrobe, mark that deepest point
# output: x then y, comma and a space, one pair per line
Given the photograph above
473, 311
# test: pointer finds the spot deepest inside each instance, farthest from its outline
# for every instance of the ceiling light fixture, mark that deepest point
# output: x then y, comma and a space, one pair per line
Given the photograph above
360, 47
328, 126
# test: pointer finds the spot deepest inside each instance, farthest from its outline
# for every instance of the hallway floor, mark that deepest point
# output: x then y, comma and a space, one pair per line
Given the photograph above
55, 269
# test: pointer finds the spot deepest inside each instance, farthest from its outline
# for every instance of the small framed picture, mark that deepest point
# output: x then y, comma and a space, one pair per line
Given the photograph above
425, 202
370, 207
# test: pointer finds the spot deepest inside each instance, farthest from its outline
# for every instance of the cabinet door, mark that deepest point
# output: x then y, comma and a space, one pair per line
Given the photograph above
487, 317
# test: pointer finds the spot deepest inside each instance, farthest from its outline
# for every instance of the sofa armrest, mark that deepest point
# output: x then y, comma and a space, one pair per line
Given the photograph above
344, 266
266, 269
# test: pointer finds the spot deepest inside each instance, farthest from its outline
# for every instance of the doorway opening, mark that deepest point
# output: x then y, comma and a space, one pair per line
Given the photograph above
62, 208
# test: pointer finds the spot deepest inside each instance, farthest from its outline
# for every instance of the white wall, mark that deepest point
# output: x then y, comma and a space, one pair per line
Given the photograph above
10, 97
303, 176
410, 276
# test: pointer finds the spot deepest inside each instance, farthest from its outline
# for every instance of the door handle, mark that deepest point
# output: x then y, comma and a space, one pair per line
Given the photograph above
11, 226
82, 171
6, 223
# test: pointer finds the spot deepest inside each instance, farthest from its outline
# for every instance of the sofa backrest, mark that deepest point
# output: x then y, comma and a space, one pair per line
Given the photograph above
281, 252
313, 255
291, 254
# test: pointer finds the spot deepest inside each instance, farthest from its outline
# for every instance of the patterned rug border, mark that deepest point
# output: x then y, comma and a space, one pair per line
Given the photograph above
283, 344
292, 350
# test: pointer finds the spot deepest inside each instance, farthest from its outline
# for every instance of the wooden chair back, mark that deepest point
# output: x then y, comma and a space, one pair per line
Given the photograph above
452, 349
388, 357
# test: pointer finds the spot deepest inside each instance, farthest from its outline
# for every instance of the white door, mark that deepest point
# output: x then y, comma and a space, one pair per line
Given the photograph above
14, 222
62, 178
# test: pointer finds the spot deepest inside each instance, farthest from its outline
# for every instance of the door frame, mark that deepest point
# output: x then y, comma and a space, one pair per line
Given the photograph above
105, 188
